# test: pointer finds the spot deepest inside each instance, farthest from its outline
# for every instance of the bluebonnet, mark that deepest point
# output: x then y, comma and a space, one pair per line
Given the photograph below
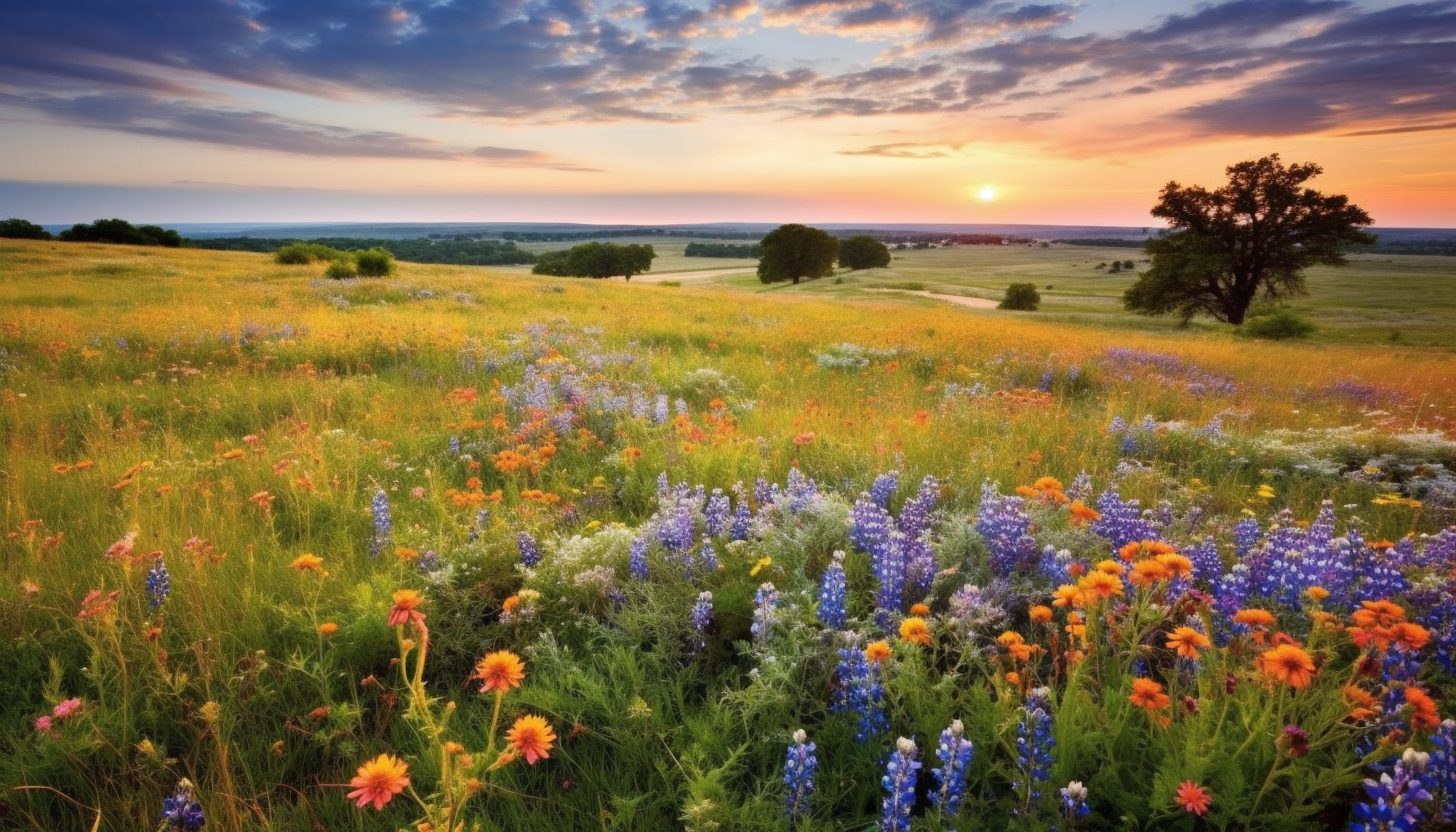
709, 556
1441, 774
1074, 801
159, 583
1005, 526
765, 612
1122, 522
383, 526
888, 564
717, 513
659, 411
676, 530
1391, 803
869, 525
742, 521
884, 488
1047, 378
1207, 565
955, 753
801, 490
831, 594
919, 566
899, 781
701, 616
918, 513
181, 812
530, 550
455, 445
481, 519
1034, 744
799, 768
1247, 535
1081, 487
860, 692
637, 559
429, 561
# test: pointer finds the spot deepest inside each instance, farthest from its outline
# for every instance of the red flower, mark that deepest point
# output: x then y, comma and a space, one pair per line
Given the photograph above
1193, 798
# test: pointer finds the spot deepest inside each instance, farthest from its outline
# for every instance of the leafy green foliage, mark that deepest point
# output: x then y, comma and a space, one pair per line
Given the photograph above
374, 262
1251, 238
455, 251
863, 252
793, 252
736, 250
121, 232
1021, 297
597, 260
299, 253
342, 268
1276, 323
18, 229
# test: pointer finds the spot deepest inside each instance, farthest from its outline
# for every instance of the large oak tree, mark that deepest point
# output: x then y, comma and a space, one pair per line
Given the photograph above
1248, 240
794, 251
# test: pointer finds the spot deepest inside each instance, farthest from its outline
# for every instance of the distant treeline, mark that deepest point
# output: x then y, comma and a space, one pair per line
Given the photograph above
457, 252
1105, 242
914, 238
1444, 248
739, 250
612, 233
115, 231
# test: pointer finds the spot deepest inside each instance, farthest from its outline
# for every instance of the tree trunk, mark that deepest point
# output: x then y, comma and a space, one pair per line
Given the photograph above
796, 280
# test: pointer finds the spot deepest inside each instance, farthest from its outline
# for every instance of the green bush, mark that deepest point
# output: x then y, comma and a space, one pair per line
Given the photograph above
343, 268
375, 262
296, 254
1021, 297
18, 229
1278, 323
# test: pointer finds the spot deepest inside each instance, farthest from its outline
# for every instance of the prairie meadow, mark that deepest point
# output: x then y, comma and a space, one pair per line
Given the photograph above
467, 548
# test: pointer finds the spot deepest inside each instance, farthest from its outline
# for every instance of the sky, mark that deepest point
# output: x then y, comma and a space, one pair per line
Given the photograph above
686, 111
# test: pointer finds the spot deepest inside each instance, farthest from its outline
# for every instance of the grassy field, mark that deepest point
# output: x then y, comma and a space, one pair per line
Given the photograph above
263, 465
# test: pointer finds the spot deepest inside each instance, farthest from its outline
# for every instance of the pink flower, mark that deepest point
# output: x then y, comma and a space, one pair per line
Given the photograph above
66, 708
43, 724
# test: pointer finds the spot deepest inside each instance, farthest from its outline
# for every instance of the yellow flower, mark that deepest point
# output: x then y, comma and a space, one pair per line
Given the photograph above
308, 563
379, 780
763, 563
1266, 492
532, 737
877, 652
915, 631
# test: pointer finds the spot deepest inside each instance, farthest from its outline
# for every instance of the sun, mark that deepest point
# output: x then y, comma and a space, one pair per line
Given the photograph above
987, 193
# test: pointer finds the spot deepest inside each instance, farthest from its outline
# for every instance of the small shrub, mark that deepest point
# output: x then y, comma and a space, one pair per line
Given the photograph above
343, 268
297, 254
907, 285
671, 284
1278, 323
376, 262
1021, 297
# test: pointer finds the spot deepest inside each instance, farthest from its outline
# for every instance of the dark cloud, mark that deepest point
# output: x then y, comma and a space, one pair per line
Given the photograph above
1285, 66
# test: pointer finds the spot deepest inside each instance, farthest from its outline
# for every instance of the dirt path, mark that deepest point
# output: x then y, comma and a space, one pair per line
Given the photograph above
704, 274
958, 300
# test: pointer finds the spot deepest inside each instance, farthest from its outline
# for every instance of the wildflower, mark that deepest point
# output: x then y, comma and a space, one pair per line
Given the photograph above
65, 709
263, 500
765, 602
799, 768
955, 753
1034, 743
1408, 637
95, 603
762, 564
379, 508
1148, 695
1297, 739
530, 550
1074, 801
832, 592
1394, 800
1317, 593
915, 631
701, 617
532, 737
1288, 664
1423, 713
899, 781
1187, 641
1082, 514
1040, 614
405, 602
1193, 798
1015, 645
181, 811
1145, 573
877, 652
1254, 618
43, 724
328, 628
499, 671
159, 583
920, 610
308, 563
1099, 585
379, 780
637, 563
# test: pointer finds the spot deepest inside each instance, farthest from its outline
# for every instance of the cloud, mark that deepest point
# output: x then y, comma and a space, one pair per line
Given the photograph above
906, 150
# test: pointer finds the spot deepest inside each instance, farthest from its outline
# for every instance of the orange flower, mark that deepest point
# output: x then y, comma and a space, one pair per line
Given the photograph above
1013, 678
500, 671
1111, 567
1145, 573
1100, 585
1317, 593
379, 780
919, 609
308, 563
1423, 713
511, 603
1378, 614
915, 631
405, 601
1148, 695
1067, 596
1040, 614
1082, 514
1187, 642
877, 652
1015, 645
1193, 798
532, 737
328, 628
1254, 618
1289, 664
1177, 564
1409, 637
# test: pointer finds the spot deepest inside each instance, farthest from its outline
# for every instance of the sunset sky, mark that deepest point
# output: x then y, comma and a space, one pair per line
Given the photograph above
680, 111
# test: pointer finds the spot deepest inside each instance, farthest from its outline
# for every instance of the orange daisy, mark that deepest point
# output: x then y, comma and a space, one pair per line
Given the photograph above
1187, 642
1288, 664
1254, 618
1423, 713
920, 610
877, 652
307, 563
1179, 565
499, 671
1409, 637
531, 737
1100, 585
379, 780
915, 631
1145, 573
1015, 645
1193, 798
1148, 695
1067, 595
1082, 514
1040, 614
405, 602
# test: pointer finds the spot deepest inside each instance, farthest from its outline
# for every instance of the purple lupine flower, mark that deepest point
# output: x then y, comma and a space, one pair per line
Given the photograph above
1207, 564
455, 446
1005, 526
659, 411
888, 564
832, 592
899, 781
708, 556
379, 508
1392, 803
884, 488
482, 519
765, 612
159, 583
955, 753
1074, 801
181, 812
799, 768
1034, 744
869, 525
742, 522
637, 559
917, 517
530, 550
718, 513
1247, 535
1440, 776
701, 616
1081, 487
860, 692
1122, 522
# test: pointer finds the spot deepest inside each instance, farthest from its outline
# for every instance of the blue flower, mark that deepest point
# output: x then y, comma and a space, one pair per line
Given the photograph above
765, 604
899, 781
379, 508
159, 583
530, 551
832, 592
955, 753
799, 768
181, 812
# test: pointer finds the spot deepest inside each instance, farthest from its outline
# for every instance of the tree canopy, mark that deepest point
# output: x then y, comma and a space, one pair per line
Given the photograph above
123, 232
863, 252
794, 251
597, 260
1251, 239
18, 229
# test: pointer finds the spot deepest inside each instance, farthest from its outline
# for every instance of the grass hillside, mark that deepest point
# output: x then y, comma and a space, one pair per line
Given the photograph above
262, 528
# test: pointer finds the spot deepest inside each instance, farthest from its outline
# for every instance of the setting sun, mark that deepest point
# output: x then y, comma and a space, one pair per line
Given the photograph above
987, 193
